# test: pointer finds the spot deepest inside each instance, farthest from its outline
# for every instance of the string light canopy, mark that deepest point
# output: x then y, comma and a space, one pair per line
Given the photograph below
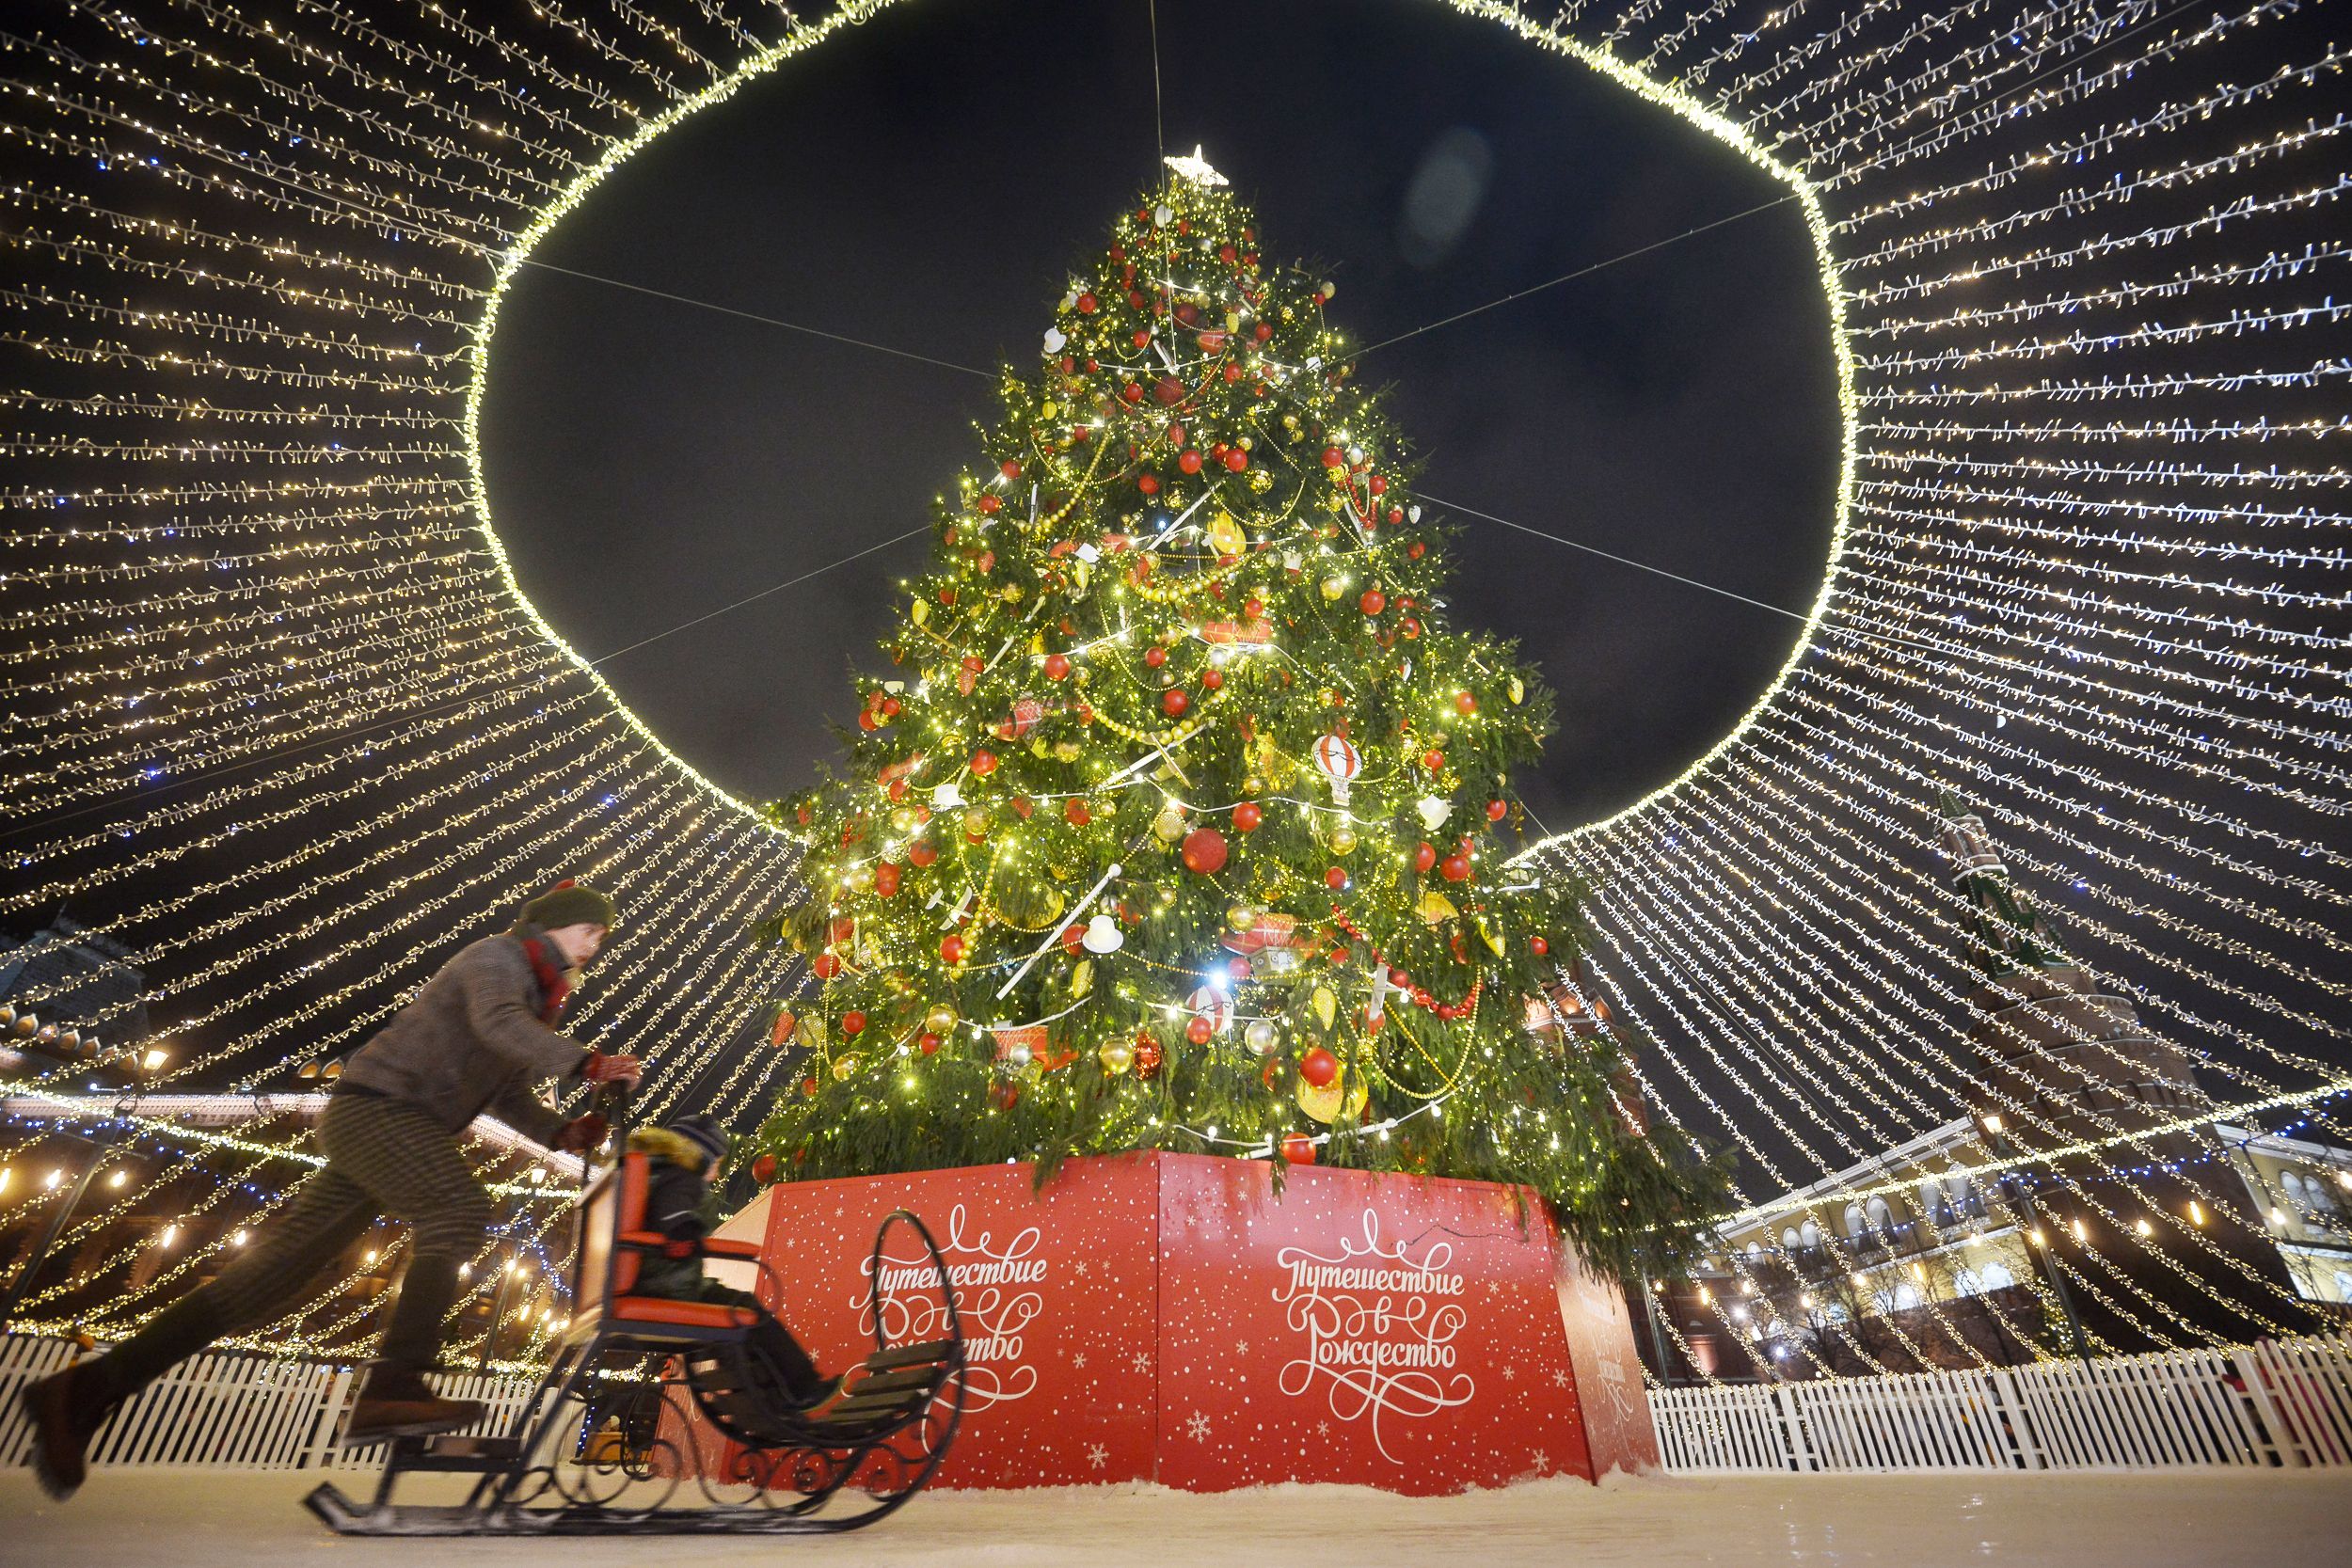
284, 729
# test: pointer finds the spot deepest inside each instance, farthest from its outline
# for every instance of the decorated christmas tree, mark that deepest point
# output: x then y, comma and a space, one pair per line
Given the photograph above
1179, 825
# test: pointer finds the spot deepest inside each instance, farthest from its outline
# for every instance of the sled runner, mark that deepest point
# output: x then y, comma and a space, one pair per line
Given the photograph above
605, 1445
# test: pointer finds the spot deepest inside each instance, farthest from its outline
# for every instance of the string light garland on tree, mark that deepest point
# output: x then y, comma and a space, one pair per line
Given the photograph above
271, 684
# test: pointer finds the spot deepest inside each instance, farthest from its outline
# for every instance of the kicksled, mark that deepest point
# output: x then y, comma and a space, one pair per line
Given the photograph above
590, 1452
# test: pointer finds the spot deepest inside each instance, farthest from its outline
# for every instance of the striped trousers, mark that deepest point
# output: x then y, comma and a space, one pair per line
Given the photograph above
383, 1157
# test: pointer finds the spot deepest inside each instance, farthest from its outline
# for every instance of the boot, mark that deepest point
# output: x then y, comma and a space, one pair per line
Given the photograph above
66, 1410
394, 1401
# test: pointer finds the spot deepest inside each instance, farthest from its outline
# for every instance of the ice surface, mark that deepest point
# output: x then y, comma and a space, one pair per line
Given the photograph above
2211, 1520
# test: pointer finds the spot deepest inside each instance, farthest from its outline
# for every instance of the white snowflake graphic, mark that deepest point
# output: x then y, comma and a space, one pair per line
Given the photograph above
1197, 1426
1323, 1429
1510, 1374
1079, 1359
1143, 1362
1097, 1455
1241, 1347
1559, 1377
1079, 1267
1542, 1459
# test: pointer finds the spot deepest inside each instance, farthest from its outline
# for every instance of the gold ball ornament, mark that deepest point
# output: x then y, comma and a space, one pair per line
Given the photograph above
1241, 917
845, 1068
1344, 840
1261, 1037
1169, 825
860, 877
940, 1019
1117, 1057
1333, 589
1329, 1103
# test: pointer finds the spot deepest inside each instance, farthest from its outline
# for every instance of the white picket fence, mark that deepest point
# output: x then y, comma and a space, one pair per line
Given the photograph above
2273, 1403
228, 1411
2285, 1405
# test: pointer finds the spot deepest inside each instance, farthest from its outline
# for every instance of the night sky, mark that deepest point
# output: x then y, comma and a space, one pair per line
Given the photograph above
929, 180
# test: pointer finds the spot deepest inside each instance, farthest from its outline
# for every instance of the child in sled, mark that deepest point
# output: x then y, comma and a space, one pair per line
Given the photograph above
682, 1162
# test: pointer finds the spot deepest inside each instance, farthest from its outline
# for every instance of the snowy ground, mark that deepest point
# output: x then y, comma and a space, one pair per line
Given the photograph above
2079, 1521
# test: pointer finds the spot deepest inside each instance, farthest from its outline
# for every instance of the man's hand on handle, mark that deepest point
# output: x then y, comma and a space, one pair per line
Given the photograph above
601, 1068
583, 1133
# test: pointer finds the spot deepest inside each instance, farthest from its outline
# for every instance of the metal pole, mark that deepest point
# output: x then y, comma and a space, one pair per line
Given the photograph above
58, 1223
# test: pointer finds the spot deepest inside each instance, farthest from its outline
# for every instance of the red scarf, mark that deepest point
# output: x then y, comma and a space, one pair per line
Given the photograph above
553, 985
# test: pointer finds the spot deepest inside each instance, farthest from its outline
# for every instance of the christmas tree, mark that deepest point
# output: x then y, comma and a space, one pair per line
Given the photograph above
1178, 827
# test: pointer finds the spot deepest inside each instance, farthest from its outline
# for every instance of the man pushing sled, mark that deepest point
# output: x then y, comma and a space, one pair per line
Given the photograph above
478, 1037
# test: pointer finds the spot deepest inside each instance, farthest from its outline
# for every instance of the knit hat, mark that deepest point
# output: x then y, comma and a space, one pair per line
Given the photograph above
704, 1133
571, 903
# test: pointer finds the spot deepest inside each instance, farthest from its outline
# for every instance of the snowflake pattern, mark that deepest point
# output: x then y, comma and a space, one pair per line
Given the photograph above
1198, 1427
1079, 1359
1098, 1456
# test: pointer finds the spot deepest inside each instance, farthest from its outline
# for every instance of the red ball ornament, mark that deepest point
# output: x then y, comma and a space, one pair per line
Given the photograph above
1077, 815
1411, 627
992, 502
1336, 878
1148, 1057
1199, 1031
1433, 759
1236, 459
1212, 679
1057, 667
1155, 656
1204, 852
1497, 810
1318, 1067
865, 721
1087, 305
764, 1169
1465, 702
854, 1023
1425, 855
1538, 946
1249, 815
983, 763
1333, 457
1169, 390
928, 1043
1010, 469
951, 949
1188, 460
827, 965
890, 707
1454, 868
1262, 331
887, 878
1173, 702
921, 852
1299, 1148
1373, 601
808, 1087
1148, 484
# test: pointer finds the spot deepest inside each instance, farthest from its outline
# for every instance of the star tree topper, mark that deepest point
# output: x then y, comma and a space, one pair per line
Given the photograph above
1196, 168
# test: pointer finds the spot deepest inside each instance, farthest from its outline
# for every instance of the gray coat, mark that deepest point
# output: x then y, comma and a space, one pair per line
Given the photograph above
471, 1041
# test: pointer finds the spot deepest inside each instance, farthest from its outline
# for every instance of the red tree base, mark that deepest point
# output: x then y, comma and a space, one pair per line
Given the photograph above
1171, 1318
